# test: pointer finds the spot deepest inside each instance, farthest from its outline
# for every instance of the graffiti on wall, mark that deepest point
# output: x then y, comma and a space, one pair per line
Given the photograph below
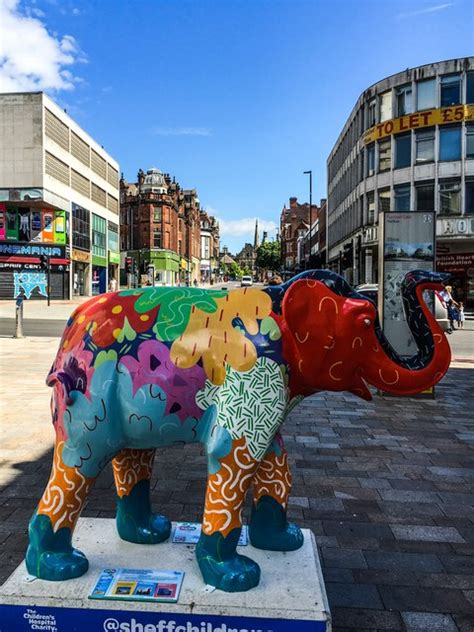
28, 281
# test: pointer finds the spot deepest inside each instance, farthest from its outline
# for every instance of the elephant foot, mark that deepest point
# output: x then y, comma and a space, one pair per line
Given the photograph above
50, 555
222, 567
136, 522
270, 530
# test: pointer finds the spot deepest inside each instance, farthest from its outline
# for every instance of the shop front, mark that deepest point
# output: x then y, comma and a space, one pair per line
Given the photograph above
99, 275
80, 272
22, 270
460, 265
113, 253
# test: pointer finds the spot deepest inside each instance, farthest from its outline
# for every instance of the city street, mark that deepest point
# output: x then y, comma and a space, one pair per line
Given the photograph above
386, 485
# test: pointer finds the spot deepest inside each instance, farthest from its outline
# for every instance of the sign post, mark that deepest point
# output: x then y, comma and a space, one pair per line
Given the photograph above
19, 315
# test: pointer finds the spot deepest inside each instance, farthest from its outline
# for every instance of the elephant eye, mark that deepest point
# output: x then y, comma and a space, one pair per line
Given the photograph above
367, 322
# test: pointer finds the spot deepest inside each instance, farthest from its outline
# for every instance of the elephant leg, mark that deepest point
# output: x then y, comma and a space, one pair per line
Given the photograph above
135, 520
269, 528
50, 554
221, 566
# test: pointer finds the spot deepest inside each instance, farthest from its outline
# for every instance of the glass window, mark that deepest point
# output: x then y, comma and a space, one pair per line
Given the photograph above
370, 198
113, 241
424, 140
450, 143
80, 228
470, 87
469, 210
384, 154
404, 100
371, 159
371, 113
425, 196
401, 197
450, 90
469, 141
426, 94
384, 200
157, 239
402, 151
386, 106
157, 213
450, 198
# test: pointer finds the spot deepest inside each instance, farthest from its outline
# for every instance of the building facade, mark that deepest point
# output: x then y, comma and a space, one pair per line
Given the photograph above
160, 230
294, 226
209, 247
59, 199
311, 245
408, 145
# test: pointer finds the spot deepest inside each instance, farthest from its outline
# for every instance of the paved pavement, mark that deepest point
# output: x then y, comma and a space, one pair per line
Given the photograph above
386, 486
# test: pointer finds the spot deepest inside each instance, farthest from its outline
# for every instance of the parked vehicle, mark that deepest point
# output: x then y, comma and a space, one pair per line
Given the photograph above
246, 281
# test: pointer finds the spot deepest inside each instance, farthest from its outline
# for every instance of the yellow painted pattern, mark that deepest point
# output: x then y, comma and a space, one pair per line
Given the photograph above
213, 337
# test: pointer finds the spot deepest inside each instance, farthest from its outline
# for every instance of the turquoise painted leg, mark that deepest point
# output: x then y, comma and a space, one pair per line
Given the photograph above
51, 555
269, 528
135, 520
221, 566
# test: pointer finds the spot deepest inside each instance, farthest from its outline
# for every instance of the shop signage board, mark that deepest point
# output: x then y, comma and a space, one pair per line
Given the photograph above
407, 242
419, 120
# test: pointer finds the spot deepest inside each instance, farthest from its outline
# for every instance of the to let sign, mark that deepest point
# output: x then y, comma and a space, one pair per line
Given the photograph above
418, 120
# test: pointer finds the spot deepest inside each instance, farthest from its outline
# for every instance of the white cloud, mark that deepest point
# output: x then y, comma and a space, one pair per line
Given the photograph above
244, 227
181, 131
31, 58
432, 9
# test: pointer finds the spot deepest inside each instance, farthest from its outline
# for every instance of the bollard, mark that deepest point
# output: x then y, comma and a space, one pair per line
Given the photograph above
19, 316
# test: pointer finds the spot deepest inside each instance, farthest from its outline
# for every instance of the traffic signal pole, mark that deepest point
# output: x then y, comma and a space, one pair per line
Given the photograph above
49, 280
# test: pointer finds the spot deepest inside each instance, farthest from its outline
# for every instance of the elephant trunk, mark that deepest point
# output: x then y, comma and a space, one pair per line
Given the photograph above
409, 375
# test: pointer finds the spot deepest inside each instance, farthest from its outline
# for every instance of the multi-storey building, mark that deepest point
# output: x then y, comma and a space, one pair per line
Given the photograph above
59, 199
209, 247
294, 224
313, 241
160, 228
408, 145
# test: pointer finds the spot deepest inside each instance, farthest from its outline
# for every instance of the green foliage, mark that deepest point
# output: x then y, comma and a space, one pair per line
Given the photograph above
233, 270
268, 255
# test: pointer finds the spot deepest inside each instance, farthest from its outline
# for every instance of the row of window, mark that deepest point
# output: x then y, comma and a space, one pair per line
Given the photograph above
423, 198
59, 132
449, 199
418, 147
450, 148
441, 91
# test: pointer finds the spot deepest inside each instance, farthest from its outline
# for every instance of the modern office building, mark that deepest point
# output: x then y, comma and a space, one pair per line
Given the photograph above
408, 145
59, 198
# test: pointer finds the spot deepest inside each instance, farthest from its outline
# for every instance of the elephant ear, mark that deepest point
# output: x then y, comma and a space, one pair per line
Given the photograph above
311, 311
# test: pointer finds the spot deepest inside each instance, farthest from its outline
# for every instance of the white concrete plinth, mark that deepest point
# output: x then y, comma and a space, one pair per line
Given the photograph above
290, 597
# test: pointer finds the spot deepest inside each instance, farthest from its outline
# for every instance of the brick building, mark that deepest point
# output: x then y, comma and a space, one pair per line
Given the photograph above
294, 223
160, 228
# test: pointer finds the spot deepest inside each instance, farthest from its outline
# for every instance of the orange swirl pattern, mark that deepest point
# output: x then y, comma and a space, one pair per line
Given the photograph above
130, 467
273, 478
65, 493
226, 490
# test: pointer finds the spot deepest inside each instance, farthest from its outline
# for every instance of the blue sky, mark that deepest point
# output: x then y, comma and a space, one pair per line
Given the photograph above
235, 97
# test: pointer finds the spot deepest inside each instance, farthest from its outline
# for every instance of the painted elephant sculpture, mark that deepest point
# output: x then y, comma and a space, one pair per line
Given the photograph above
146, 368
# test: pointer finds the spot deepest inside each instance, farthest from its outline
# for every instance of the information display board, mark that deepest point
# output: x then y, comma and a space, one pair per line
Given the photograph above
407, 242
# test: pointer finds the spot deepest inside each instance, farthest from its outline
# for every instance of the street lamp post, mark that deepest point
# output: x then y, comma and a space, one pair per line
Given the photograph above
310, 173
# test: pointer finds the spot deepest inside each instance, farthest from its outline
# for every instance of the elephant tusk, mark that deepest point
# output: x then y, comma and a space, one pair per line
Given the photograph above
397, 379
304, 339
328, 298
336, 379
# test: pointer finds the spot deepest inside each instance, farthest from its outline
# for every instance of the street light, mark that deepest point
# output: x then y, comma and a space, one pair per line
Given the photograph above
310, 173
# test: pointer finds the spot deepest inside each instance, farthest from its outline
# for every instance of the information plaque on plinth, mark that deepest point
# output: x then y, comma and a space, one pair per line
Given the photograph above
290, 597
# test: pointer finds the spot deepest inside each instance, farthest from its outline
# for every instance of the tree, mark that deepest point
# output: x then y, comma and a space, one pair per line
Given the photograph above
268, 256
